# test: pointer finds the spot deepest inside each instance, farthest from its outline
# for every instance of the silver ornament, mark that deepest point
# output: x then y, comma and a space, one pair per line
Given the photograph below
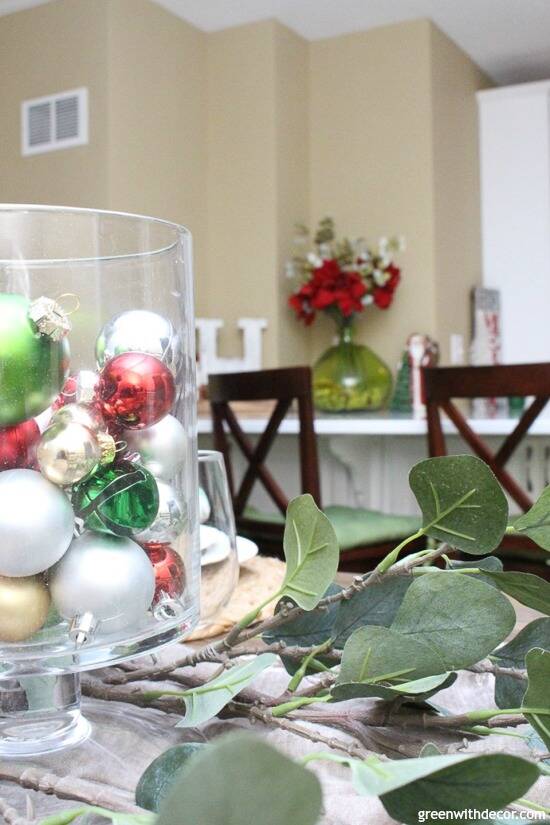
171, 517
86, 383
139, 330
36, 523
204, 506
79, 414
109, 577
68, 453
161, 448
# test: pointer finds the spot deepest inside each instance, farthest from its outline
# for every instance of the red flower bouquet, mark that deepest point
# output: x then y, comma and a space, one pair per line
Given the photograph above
342, 277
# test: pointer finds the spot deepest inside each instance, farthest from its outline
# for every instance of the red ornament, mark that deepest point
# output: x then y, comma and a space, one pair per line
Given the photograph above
137, 389
18, 445
169, 570
67, 394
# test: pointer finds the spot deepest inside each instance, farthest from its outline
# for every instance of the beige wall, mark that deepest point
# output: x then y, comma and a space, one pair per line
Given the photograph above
53, 48
241, 133
371, 164
157, 118
456, 199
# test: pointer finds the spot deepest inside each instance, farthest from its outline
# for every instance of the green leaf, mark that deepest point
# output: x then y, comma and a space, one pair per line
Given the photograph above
204, 702
461, 502
460, 619
490, 563
372, 652
117, 818
537, 694
311, 553
418, 690
509, 691
308, 630
530, 590
375, 605
440, 782
535, 523
159, 777
240, 779
481, 783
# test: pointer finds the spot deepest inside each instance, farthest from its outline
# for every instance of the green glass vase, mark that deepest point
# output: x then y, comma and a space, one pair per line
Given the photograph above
350, 377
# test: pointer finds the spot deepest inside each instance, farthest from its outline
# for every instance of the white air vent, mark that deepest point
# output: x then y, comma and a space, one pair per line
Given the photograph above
54, 122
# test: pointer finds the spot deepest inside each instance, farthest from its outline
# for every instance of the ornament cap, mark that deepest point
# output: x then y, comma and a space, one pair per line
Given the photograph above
49, 318
83, 628
108, 448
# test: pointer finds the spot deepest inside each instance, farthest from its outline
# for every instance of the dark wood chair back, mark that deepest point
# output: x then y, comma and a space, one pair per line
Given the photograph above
443, 384
282, 386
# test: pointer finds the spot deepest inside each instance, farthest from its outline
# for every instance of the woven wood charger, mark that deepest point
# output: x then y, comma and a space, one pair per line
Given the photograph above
258, 578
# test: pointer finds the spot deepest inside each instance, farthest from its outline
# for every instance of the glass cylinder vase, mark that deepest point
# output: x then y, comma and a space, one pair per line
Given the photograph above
350, 377
99, 551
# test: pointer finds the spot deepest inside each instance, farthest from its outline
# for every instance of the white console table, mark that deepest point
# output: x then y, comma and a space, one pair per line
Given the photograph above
365, 458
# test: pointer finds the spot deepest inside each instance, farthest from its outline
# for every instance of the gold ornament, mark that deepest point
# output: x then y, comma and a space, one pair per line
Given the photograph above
68, 453
24, 606
79, 414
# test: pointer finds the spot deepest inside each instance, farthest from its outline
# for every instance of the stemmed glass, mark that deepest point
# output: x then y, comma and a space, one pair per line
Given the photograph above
218, 544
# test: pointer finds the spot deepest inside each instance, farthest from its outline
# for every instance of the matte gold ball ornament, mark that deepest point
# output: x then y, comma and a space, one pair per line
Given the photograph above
24, 606
70, 452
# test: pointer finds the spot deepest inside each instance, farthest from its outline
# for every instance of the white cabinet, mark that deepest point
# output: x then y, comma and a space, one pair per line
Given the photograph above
514, 128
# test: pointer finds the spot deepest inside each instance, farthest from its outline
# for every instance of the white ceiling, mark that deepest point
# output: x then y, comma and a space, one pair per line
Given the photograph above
509, 39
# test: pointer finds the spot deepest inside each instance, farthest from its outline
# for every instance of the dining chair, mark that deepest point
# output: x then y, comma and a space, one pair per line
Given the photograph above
364, 536
443, 385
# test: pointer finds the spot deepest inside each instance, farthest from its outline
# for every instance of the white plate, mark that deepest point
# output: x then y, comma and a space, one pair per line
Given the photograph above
246, 549
215, 547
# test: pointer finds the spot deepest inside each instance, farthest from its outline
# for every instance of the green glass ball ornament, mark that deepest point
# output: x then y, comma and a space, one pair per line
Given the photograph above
119, 499
33, 366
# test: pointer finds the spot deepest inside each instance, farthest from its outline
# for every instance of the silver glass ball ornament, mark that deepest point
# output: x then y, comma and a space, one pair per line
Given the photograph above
139, 330
161, 448
36, 523
171, 517
109, 577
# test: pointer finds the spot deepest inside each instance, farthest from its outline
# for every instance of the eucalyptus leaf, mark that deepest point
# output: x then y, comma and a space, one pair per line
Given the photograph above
537, 694
240, 779
372, 652
204, 702
536, 522
429, 749
461, 501
530, 590
375, 605
308, 630
159, 776
458, 618
481, 783
446, 782
509, 691
491, 564
416, 691
311, 553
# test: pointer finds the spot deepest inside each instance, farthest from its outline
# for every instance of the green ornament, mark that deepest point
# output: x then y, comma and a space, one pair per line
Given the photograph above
33, 367
119, 499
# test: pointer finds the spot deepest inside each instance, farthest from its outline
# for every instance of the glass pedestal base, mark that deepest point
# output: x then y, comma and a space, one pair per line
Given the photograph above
40, 714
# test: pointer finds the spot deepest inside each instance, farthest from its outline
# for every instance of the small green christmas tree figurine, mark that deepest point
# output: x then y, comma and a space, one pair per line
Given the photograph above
401, 400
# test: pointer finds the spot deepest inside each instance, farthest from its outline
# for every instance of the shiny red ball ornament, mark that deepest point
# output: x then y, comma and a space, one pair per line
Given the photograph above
18, 446
137, 389
169, 570
67, 394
